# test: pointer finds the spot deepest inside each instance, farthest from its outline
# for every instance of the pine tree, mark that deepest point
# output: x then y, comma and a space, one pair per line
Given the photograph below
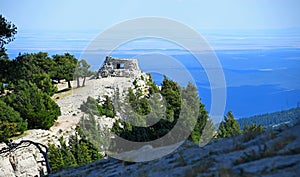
107, 108
36, 107
229, 127
170, 91
55, 158
68, 158
11, 122
208, 132
250, 132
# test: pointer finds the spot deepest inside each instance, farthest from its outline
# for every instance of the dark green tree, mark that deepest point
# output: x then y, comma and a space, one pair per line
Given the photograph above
171, 93
229, 127
107, 108
7, 33
82, 71
36, 107
252, 131
90, 106
11, 122
44, 83
153, 88
79, 151
208, 132
24, 67
5, 65
56, 158
35, 68
65, 66
82, 149
68, 158
2, 88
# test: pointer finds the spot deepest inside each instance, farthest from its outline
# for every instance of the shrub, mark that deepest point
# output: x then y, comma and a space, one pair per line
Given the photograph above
250, 132
36, 107
11, 122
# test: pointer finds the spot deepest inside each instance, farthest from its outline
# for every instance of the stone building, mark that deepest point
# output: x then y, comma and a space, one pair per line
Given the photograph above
119, 67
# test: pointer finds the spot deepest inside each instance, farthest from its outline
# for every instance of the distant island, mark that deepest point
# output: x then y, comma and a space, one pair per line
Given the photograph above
59, 118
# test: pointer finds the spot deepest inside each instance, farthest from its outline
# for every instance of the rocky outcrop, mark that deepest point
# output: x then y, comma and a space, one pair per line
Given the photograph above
26, 161
274, 153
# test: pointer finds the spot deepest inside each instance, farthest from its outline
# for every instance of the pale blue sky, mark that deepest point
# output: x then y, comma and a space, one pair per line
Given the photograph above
199, 14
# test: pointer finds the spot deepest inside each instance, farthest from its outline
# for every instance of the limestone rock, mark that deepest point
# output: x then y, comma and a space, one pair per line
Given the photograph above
270, 154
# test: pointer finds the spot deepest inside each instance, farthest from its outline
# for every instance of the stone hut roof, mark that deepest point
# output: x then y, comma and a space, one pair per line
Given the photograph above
119, 67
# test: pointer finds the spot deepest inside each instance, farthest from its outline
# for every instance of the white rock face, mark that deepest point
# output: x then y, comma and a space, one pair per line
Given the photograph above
26, 160
6, 168
21, 163
270, 154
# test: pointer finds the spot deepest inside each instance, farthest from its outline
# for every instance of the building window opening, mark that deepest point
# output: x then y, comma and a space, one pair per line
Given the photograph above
120, 66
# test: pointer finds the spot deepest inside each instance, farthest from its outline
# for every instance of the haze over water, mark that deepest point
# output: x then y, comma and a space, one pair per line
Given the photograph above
261, 67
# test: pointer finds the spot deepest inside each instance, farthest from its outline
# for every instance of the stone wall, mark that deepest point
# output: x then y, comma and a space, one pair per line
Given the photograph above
119, 67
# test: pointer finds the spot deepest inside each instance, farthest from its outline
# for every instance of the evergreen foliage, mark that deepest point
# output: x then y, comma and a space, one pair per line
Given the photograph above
179, 103
153, 88
35, 68
11, 122
229, 127
34, 106
7, 33
79, 152
107, 108
252, 131
272, 119
55, 157
208, 133
92, 107
82, 71
65, 66
170, 92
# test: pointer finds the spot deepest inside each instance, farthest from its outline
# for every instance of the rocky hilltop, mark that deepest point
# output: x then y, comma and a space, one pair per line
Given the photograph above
28, 161
274, 153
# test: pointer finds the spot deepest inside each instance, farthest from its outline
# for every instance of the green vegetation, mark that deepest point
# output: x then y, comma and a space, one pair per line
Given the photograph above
92, 107
34, 106
170, 92
26, 85
229, 127
179, 103
11, 122
65, 67
82, 70
7, 33
250, 132
271, 119
79, 152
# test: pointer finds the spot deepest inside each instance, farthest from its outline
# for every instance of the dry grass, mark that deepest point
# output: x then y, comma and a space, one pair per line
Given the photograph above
282, 142
62, 94
265, 151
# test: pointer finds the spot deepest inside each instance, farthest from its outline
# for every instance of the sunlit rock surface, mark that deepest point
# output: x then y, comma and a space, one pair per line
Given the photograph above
274, 153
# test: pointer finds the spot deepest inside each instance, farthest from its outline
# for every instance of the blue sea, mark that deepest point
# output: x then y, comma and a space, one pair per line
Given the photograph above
261, 68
